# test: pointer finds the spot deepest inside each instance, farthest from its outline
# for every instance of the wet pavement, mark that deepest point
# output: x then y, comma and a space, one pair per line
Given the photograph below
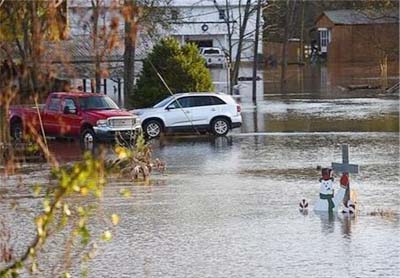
228, 207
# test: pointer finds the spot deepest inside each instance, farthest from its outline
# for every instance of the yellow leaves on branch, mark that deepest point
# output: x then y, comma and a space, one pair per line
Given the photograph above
125, 192
66, 210
106, 236
115, 219
122, 153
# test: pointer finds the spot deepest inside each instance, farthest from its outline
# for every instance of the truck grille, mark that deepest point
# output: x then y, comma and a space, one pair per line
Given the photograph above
121, 122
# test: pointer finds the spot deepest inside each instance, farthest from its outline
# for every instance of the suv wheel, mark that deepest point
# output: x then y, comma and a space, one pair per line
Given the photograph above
220, 126
152, 128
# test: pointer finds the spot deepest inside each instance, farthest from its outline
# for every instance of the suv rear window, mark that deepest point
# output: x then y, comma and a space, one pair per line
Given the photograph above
217, 101
201, 101
197, 101
206, 101
211, 51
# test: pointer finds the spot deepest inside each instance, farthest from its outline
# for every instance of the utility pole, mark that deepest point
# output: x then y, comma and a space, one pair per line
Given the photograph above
301, 60
255, 59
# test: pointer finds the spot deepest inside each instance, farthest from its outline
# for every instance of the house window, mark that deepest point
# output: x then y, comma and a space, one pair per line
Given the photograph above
324, 39
54, 104
221, 14
174, 14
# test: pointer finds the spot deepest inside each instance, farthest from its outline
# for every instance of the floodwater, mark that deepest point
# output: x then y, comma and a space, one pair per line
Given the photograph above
228, 207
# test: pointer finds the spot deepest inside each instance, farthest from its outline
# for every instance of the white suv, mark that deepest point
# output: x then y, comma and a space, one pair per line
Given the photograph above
214, 112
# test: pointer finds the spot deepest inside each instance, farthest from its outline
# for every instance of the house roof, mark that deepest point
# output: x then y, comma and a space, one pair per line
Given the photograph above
79, 49
74, 58
353, 17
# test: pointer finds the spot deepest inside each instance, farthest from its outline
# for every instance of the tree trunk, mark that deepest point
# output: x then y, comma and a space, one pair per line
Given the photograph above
97, 58
301, 56
242, 32
130, 48
230, 46
289, 19
35, 49
384, 75
255, 61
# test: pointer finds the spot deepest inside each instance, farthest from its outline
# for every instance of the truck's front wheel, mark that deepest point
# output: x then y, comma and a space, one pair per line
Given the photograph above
88, 138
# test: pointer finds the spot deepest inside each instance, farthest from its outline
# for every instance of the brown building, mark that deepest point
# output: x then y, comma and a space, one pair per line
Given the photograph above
273, 52
349, 36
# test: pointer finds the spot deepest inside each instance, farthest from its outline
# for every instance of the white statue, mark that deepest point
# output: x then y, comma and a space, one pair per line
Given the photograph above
329, 198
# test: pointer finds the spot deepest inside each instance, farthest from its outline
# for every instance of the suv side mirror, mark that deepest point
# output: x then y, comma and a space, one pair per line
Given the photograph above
171, 106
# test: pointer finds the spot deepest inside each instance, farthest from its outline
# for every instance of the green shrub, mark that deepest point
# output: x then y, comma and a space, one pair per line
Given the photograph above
182, 68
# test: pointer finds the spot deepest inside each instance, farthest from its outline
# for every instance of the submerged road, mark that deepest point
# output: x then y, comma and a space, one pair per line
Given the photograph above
228, 207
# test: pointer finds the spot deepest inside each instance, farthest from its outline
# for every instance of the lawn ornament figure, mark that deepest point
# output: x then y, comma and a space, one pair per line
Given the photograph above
303, 206
350, 209
329, 200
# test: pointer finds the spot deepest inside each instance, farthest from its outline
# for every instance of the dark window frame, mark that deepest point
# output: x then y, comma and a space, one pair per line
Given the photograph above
221, 14
52, 106
73, 101
174, 14
217, 100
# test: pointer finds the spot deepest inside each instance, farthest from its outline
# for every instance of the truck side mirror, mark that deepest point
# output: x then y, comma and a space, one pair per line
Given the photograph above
68, 110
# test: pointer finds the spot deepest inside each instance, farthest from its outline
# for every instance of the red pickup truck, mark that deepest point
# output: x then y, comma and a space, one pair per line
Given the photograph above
87, 116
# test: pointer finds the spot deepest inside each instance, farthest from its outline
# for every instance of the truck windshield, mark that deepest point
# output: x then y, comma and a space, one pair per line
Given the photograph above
97, 103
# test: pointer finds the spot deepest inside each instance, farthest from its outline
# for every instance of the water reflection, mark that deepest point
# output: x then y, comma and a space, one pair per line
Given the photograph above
329, 220
227, 207
68, 151
217, 142
325, 81
354, 115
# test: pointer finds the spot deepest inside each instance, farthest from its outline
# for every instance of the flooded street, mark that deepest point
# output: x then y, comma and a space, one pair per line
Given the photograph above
228, 206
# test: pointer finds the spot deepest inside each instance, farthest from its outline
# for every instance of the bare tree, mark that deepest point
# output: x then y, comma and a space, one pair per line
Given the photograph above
144, 18
236, 24
290, 9
131, 13
26, 25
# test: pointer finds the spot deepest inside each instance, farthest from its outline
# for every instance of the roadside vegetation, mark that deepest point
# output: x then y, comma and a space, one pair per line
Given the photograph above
70, 202
65, 206
181, 68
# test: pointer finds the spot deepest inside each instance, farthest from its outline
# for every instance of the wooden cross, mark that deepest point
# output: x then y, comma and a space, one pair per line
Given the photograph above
345, 167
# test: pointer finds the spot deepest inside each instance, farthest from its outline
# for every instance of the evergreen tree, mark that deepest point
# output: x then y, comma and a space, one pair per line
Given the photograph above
182, 68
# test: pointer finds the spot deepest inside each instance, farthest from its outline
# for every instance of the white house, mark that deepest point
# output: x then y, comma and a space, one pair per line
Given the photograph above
205, 22
209, 23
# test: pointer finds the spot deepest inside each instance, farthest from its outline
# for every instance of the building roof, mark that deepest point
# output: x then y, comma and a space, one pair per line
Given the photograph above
353, 17
74, 58
79, 49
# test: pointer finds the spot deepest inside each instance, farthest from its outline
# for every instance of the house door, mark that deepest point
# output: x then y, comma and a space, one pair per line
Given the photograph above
201, 43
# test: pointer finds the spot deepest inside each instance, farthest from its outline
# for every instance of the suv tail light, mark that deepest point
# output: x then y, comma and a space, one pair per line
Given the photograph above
238, 108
